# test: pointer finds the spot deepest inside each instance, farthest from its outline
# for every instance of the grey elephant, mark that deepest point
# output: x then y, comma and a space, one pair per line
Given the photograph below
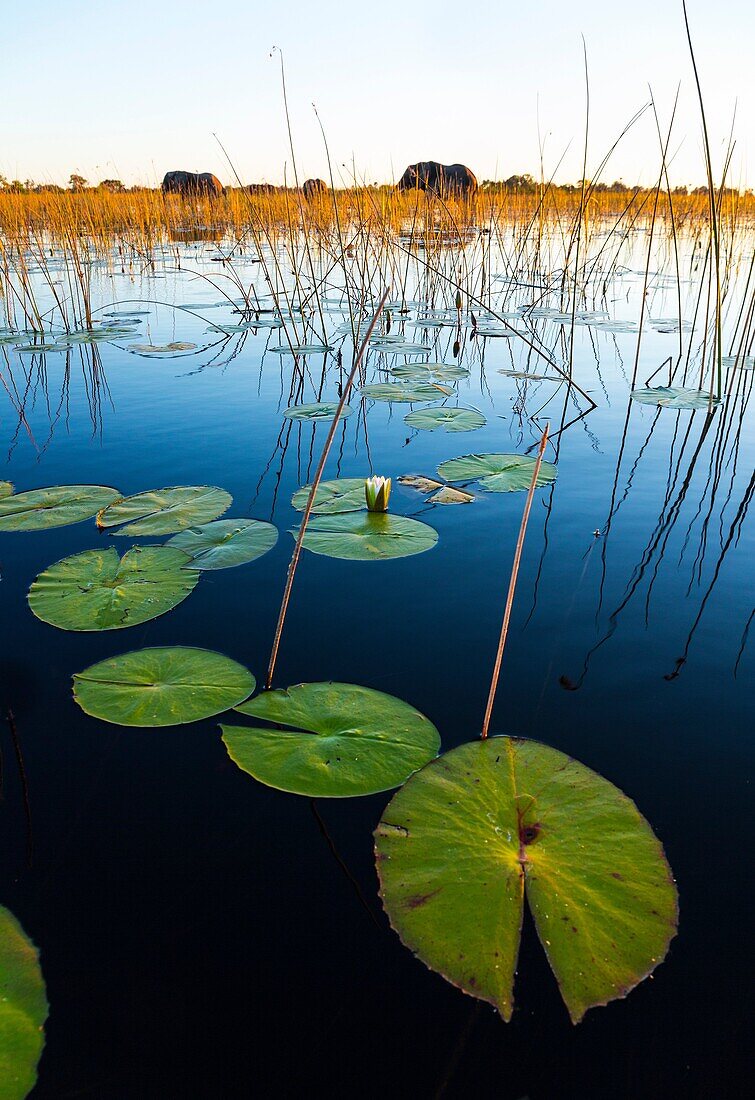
192, 183
314, 187
443, 179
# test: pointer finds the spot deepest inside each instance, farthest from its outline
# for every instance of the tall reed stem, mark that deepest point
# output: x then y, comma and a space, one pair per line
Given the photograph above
512, 586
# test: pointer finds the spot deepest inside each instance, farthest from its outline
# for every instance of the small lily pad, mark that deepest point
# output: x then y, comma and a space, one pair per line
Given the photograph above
499, 473
404, 391
343, 740
422, 484
56, 506
165, 511
344, 494
367, 536
23, 1010
97, 590
317, 410
164, 686
675, 397
161, 349
6, 489
403, 347
449, 495
420, 372
742, 362
33, 349
450, 420
226, 542
301, 349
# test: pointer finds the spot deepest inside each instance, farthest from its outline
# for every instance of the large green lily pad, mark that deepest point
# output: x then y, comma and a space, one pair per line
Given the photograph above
404, 391
367, 536
165, 511
504, 473
23, 1010
98, 590
343, 494
675, 397
317, 410
343, 740
450, 420
56, 506
489, 822
226, 542
163, 686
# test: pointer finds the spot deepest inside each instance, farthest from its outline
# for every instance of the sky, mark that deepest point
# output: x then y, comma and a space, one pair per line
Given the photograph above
132, 90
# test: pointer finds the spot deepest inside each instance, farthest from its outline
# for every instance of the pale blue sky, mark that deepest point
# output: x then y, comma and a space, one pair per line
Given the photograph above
134, 89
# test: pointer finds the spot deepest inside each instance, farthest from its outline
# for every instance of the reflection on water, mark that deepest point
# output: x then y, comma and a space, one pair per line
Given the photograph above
191, 921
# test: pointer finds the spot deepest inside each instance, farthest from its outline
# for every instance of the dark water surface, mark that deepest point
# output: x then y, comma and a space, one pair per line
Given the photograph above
198, 937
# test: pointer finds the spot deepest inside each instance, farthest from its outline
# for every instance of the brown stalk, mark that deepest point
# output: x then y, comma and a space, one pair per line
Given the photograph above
315, 483
512, 587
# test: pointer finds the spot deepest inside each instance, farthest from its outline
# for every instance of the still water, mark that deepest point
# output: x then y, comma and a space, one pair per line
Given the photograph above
198, 936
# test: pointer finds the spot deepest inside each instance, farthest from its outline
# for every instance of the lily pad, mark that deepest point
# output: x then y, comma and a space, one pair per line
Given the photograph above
450, 420
675, 397
226, 542
357, 741
504, 473
301, 349
97, 590
33, 349
449, 495
422, 484
317, 410
6, 489
344, 494
490, 822
165, 686
23, 1010
396, 347
56, 506
165, 511
404, 391
367, 536
420, 372
161, 349
743, 362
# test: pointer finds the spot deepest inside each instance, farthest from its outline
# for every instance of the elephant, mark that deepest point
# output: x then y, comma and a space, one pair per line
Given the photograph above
442, 179
192, 183
314, 187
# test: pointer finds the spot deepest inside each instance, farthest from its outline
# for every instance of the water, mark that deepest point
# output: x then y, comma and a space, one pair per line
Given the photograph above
198, 937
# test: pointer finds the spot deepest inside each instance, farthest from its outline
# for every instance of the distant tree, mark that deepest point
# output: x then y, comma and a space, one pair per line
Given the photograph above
76, 182
520, 183
700, 191
112, 185
681, 190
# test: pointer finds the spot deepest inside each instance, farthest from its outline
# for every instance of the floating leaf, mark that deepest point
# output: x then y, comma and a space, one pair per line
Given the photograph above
56, 506
499, 473
529, 377
6, 489
318, 410
450, 420
357, 741
423, 484
33, 349
404, 391
367, 536
301, 349
675, 397
23, 1010
161, 349
165, 511
97, 590
226, 542
743, 362
486, 823
127, 313
449, 495
398, 347
165, 686
344, 494
427, 371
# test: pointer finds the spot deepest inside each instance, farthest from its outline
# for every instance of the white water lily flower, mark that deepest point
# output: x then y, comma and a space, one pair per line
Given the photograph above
377, 491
